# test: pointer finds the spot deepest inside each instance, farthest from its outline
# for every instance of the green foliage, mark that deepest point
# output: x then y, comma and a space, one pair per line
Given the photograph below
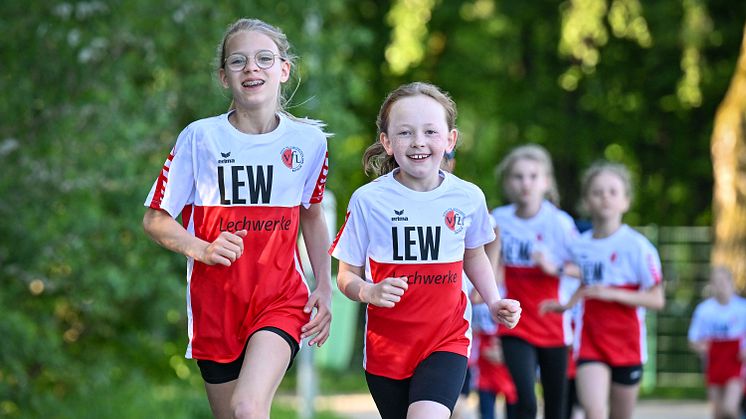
95, 92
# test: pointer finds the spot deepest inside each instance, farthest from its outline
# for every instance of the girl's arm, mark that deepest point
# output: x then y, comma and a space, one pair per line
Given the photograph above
169, 233
479, 270
700, 347
554, 306
652, 298
316, 239
383, 294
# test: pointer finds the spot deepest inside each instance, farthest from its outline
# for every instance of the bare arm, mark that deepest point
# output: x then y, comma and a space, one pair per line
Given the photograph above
316, 239
479, 270
383, 294
652, 298
167, 232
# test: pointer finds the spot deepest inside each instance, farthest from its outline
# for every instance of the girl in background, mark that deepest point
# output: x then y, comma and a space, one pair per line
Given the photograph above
243, 182
535, 238
407, 238
620, 273
718, 334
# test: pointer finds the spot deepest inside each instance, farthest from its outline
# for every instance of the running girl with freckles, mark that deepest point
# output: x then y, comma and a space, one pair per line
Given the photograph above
243, 183
535, 238
620, 273
407, 237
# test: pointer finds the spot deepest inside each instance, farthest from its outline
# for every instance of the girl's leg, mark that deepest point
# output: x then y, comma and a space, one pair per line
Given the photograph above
715, 395
219, 396
553, 367
520, 358
268, 355
623, 400
593, 382
487, 404
731, 398
391, 396
435, 386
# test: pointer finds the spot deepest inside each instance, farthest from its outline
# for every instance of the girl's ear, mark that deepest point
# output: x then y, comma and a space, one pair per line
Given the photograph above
452, 140
285, 71
386, 143
223, 78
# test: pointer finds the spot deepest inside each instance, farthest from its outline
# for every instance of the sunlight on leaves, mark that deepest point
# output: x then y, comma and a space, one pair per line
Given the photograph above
408, 19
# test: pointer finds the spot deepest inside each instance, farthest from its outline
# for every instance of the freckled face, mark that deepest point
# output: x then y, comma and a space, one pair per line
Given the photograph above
417, 137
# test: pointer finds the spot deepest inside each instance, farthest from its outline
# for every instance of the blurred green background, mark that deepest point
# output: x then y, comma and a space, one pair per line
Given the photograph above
94, 94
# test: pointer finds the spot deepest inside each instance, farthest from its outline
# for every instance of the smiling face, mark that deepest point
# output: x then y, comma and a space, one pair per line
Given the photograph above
527, 182
607, 197
254, 87
417, 137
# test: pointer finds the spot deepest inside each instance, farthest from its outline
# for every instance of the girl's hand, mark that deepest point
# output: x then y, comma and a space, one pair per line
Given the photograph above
387, 292
225, 249
551, 306
599, 292
321, 300
546, 266
506, 312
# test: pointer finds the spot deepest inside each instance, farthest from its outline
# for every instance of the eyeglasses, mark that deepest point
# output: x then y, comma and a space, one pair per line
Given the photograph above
263, 59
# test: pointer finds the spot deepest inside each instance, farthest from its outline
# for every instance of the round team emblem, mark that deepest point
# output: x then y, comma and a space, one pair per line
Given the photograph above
292, 158
454, 219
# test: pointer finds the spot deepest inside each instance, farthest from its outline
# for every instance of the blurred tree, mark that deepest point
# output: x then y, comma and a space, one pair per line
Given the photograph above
729, 164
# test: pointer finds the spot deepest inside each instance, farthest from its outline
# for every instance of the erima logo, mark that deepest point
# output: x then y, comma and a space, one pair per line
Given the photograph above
398, 216
225, 158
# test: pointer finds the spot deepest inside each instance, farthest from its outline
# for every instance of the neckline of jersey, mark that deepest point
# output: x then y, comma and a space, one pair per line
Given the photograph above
265, 137
418, 195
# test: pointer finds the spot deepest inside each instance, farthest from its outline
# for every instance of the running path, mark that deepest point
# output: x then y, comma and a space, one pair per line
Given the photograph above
360, 406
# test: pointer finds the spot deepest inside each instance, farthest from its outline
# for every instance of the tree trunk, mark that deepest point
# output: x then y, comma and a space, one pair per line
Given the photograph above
728, 147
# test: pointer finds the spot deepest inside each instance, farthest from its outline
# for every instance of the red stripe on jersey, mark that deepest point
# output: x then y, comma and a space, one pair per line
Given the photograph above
610, 333
723, 361
429, 318
186, 215
160, 187
339, 233
530, 286
318, 192
261, 288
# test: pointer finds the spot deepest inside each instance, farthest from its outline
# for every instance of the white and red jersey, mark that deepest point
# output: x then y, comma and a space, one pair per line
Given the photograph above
612, 332
220, 179
421, 235
551, 232
723, 327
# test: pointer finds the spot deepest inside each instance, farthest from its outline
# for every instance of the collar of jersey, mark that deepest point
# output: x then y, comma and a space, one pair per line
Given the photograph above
266, 137
417, 195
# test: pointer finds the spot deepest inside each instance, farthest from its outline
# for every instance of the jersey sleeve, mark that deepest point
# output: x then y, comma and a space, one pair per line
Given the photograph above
696, 329
313, 190
351, 244
481, 231
649, 265
175, 186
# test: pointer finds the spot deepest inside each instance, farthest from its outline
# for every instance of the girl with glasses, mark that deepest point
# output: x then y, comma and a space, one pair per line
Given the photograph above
243, 183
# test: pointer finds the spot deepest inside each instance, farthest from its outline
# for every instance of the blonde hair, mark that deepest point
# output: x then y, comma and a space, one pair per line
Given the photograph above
274, 33
602, 166
375, 159
535, 153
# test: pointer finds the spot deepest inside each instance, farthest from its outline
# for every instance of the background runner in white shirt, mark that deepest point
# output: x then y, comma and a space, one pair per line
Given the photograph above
242, 183
620, 273
535, 239
416, 228
718, 334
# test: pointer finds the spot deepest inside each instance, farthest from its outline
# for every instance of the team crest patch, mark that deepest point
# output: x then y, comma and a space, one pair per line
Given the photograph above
292, 158
454, 219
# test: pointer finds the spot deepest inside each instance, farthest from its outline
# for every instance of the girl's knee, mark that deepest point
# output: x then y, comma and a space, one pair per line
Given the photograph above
250, 409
